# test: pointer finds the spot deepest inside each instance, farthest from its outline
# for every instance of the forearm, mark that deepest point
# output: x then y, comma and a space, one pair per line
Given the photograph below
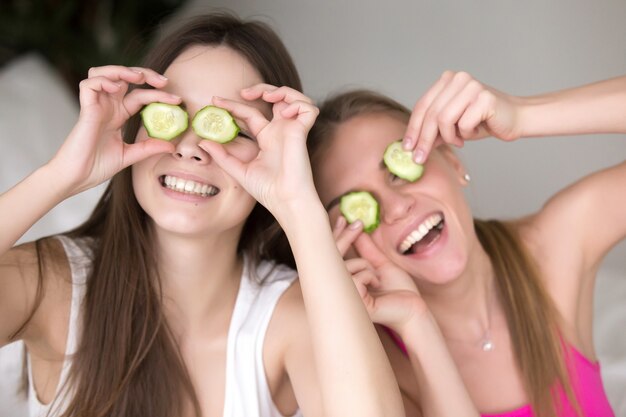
27, 202
442, 391
354, 374
594, 108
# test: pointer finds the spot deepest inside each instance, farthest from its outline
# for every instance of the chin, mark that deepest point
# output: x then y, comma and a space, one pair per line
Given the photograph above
439, 271
179, 225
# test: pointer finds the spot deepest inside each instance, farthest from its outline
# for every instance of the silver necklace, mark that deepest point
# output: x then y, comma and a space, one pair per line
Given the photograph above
486, 344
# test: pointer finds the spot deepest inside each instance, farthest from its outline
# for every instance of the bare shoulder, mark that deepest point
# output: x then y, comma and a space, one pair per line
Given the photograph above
35, 290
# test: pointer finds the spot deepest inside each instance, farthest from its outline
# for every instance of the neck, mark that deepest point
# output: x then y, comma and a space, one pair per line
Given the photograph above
465, 307
200, 278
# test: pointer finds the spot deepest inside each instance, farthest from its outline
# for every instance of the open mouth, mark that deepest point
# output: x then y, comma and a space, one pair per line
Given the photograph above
188, 186
423, 236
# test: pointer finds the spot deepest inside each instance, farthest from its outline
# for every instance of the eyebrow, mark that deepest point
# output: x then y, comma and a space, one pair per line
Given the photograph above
336, 200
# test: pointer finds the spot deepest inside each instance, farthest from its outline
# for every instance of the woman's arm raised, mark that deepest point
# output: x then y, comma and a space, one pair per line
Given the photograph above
92, 153
355, 377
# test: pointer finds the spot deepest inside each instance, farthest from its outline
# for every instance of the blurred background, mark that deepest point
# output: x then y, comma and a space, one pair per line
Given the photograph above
397, 47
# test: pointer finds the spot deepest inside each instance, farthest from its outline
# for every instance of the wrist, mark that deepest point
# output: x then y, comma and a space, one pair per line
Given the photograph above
56, 180
420, 331
295, 214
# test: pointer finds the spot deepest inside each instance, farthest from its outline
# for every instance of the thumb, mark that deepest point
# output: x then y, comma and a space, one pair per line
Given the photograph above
229, 163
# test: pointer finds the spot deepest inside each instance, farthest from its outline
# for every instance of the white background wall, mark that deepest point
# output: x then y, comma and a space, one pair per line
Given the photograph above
400, 48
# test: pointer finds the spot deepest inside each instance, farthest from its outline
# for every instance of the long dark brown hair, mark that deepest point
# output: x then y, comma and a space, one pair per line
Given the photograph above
127, 362
531, 315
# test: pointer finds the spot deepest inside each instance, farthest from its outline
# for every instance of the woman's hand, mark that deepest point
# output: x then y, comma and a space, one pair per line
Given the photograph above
280, 176
94, 151
387, 291
458, 108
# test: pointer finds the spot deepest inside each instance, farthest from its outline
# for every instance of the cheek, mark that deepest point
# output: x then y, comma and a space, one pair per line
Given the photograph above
138, 177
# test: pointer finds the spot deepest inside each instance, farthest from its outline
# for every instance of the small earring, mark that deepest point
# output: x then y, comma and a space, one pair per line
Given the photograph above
467, 178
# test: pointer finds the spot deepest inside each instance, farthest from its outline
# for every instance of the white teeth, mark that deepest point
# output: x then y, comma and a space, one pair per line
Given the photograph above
189, 186
419, 233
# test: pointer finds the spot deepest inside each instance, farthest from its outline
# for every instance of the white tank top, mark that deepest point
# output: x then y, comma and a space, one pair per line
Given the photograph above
247, 393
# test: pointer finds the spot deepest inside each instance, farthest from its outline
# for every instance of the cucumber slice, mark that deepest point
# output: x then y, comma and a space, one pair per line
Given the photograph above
216, 124
400, 162
361, 205
164, 121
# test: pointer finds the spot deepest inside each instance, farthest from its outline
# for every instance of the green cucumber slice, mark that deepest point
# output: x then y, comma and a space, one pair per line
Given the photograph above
164, 121
361, 205
216, 124
400, 162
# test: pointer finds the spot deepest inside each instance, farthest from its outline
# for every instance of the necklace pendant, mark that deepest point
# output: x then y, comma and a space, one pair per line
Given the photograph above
487, 345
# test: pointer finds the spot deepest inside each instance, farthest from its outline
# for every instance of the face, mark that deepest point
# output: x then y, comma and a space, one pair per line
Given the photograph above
353, 162
210, 200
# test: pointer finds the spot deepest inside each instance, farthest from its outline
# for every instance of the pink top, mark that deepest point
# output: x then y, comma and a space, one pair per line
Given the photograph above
586, 383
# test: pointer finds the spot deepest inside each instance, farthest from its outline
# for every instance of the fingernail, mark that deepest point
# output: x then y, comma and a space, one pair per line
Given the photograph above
407, 143
355, 225
136, 71
341, 222
163, 77
419, 156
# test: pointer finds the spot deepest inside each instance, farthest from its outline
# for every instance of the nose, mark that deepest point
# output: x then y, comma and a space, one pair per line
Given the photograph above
187, 148
395, 206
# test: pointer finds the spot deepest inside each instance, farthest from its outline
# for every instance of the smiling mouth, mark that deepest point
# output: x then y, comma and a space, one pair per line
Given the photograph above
188, 186
423, 236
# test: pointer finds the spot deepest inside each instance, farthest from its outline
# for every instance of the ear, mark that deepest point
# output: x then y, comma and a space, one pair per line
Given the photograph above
453, 159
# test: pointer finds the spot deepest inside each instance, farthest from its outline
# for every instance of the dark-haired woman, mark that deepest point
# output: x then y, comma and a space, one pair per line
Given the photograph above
170, 300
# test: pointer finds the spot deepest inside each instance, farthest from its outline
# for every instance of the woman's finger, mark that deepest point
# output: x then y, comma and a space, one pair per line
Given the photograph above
366, 278
419, 111
367, 249
305, 112
355, 265
366, 297
133, 75
91, 87
433, 117
450, 115
348, 236
256, 91
470, 124
273, 94
139, 97
254, 120
286, 94
229, 163
340, 225
139, 151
